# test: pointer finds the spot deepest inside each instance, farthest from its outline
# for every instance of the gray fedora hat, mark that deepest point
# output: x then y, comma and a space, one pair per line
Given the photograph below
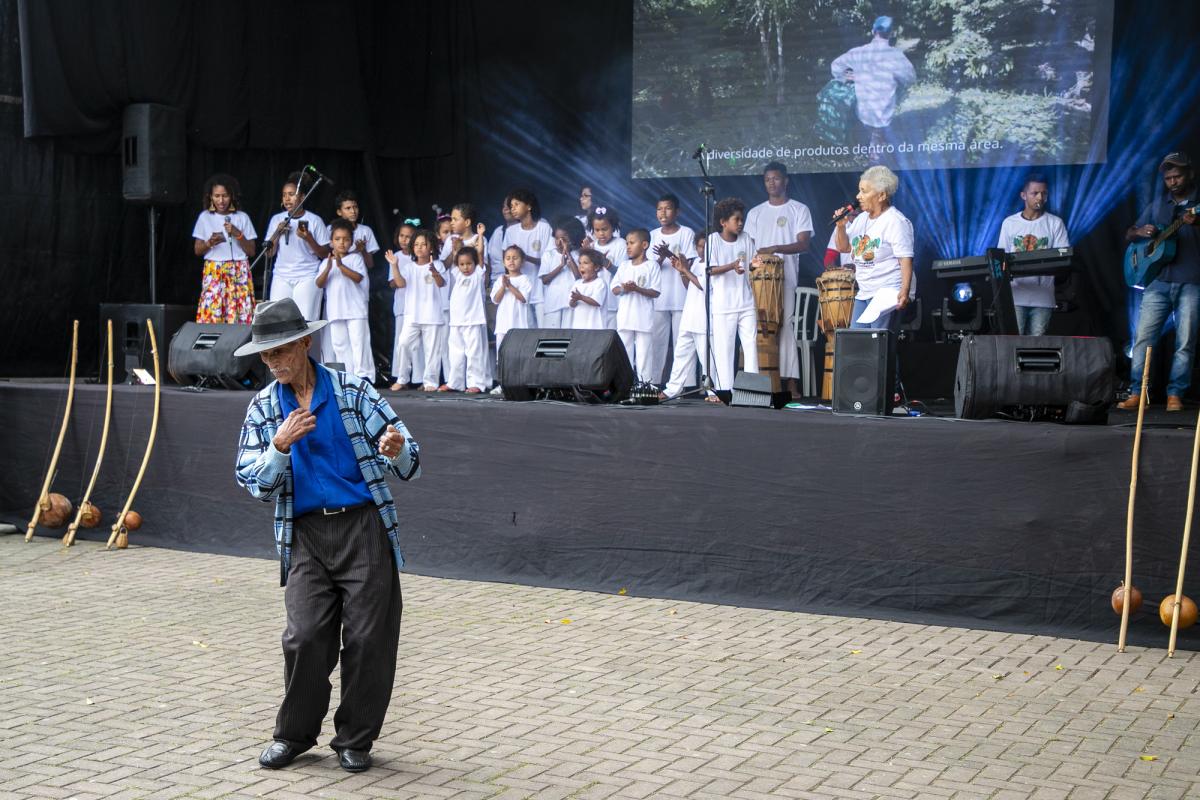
277, 322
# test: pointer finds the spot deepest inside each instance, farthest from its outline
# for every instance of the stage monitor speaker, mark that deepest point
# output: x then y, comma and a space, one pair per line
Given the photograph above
755, 389
202, 355
1056, 377
129, 336
584, 364
864, 377
153, 154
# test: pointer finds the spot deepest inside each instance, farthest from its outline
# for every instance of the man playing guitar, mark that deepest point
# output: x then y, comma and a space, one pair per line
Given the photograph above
1176, 289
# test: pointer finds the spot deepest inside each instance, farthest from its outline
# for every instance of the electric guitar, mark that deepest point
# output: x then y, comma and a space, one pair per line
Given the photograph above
1145, 259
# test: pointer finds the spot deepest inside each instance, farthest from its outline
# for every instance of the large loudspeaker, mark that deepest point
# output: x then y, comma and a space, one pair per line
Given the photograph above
864, 377
202, 354
129, 335
531, 360
1070, 376
153, 154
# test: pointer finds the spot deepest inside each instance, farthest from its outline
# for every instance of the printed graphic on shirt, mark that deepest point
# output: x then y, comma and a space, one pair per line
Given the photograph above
781, 221
1029, 243
864, 247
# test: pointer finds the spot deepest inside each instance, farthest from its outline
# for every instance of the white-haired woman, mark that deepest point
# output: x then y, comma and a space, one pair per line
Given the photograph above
880, 240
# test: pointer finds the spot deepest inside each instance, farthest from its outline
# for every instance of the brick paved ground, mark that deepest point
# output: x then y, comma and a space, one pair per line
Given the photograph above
152, 673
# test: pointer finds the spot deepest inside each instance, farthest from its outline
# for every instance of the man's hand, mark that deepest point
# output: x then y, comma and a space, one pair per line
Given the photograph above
390, 442
298, 424
1147, 231
1189, 218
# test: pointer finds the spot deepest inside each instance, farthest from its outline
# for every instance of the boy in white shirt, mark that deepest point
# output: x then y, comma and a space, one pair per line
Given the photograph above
668, 240
468, 326
559, 271
344, 279
636, 284
733, 311
589, 294
396, 260
365, 244
424, 319
690, 346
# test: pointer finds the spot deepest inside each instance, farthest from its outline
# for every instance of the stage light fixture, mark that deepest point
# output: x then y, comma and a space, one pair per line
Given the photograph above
963, 292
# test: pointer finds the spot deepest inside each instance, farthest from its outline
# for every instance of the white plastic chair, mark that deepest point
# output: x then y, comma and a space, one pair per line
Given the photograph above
806, 327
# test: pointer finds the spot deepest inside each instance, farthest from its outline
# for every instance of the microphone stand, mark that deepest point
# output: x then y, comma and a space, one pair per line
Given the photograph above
706, 189
296, 212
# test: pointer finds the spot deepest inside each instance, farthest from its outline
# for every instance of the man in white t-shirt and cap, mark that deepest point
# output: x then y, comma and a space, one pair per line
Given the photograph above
878, 71
782, 226
1033, 228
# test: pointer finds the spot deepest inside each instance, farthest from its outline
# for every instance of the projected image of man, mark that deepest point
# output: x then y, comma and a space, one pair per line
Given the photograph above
879, 72
1033, 228
1176, 289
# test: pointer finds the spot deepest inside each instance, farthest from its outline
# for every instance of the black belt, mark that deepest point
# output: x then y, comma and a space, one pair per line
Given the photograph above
329, 512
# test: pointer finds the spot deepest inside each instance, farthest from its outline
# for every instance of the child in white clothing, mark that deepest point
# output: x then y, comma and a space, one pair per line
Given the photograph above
690, 346
604, 222
344, 279
424, 319
730, 251
402, 255
511, 296
559, 271
636, 285
589, 294
468, 326
666, 241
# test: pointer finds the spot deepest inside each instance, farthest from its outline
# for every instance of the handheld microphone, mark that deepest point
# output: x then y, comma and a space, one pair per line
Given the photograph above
699, 152
844, 212
309, 168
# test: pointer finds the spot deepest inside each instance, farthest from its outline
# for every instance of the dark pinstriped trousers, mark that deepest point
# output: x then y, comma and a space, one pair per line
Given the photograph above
342, 588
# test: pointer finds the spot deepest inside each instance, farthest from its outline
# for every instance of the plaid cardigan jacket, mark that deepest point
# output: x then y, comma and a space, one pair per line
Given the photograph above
267, 474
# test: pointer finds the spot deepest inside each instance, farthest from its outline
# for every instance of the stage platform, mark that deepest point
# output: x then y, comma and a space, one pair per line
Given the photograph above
989, 524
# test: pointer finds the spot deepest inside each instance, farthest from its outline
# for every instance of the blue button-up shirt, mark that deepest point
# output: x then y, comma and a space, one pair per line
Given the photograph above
324, 469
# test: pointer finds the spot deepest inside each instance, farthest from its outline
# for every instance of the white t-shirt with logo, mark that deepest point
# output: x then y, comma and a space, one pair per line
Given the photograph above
770, 225
345, 299
877, 245
466, 301
556, 295
731, 292
635, 311
1018, 235
294, 259
210, 222
682, 243
510, 312
585, 316
423, 302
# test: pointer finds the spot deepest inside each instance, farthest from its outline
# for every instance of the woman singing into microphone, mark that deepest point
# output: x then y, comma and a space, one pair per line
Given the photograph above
224, 238
880, 240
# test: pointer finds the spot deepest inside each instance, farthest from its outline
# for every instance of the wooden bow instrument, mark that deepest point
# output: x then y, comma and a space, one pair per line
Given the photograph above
120, 533
43, 503
69, 537
1133, 477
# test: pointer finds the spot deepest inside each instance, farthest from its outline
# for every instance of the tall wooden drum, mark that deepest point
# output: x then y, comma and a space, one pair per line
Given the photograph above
836, 289
766, 281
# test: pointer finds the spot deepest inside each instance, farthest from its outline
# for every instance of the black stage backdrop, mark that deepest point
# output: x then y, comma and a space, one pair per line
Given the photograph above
409, 103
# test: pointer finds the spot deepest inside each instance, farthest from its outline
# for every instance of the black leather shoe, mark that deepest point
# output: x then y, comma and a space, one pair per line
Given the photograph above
278, 754
354, 760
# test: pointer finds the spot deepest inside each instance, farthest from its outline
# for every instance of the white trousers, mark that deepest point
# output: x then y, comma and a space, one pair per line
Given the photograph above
468, 357
350, 340
308, 297
429, 339
666, 330
639, 346
789, 353
416, 363
727, 328
689, 350
553, 319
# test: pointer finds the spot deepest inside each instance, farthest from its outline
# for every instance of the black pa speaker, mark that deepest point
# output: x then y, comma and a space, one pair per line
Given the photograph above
754, 389
130, 345
590, 365
1058, 377
153, 154
202, 355
864, 377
